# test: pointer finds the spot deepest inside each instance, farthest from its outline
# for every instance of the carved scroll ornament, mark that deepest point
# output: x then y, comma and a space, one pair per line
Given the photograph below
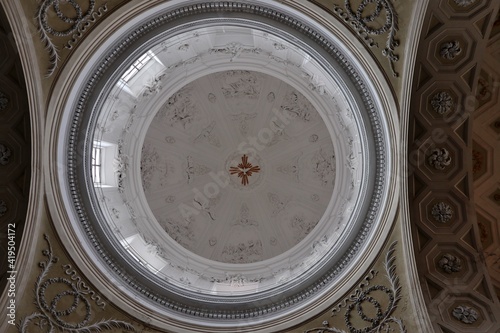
383, 320
51, 317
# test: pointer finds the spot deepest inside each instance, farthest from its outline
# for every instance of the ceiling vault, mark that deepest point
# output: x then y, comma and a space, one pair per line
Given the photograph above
450, 86
226, 145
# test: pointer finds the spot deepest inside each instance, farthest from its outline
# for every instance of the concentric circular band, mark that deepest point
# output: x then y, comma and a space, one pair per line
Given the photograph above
185, 303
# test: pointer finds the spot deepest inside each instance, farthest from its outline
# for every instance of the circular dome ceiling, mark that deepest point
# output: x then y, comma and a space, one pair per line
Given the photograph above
228, 157
237, 166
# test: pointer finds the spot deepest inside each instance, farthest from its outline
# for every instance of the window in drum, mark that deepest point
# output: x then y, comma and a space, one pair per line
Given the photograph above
137, 66
96, 164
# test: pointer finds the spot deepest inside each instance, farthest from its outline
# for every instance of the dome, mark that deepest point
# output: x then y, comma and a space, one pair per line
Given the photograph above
222, 197
218, 156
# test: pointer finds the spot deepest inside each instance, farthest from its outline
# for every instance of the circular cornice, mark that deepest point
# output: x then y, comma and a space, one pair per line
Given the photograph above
372, 99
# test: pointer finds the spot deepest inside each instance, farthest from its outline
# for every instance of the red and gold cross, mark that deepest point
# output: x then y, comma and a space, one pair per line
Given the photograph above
244, 170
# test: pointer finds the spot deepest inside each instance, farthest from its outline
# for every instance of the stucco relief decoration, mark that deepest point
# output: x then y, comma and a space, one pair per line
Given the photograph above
194, 169
292, 168
207, 206
364, 24
207, 134
465, 314
450, 264
324, 167
155, 167
442, 212
234, 49
449, 50
271, 97
279, 133
439, 158
185, 280
183, 47
3, 208
279, 46
243, 120
115, 212
282, 61
4, 155
278, 203
212, 98
320, 245
149, 161
180, 110
297, 106
75, 20
240, 84
75, 318
442, 102
183, 63
464, 3
236, 280
243, 253
181, 232
383, 320
154, 86
244, 219
128, 124
315, 83
4, 101
301, 226
115, 115
120, 166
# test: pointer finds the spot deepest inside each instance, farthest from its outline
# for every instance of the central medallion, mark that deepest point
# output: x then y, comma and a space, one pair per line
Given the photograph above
244, 170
